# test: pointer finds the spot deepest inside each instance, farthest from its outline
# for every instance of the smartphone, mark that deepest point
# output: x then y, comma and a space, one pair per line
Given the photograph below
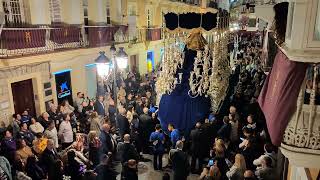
242, 139
211, 162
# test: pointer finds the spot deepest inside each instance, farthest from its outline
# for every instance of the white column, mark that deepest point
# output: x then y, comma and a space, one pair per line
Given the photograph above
39, 12
72, 11
97, 11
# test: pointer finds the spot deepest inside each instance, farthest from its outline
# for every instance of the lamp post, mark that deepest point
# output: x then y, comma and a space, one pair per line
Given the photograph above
119, 60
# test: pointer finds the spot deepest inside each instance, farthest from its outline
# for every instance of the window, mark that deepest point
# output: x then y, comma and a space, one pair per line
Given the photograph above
13, 12
55, 10
149, 17
108, 12
85, 12
132, 10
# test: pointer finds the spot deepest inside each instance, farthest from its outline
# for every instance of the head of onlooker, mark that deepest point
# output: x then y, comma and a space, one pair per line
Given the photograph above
66, 117
214, 173
100, 99
106, 128
158, 127
240, 162
145, 110
170, 127
179, 145
249, 175
126, 138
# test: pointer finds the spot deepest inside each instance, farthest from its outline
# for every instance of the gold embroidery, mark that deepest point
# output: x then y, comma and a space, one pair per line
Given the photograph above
28, 37
99, 34
65, 32
275, 85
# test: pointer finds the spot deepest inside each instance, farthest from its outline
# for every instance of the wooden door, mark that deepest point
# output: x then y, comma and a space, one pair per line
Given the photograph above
23, 97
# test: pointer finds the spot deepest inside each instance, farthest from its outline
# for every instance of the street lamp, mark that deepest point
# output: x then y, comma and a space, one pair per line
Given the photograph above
119, 60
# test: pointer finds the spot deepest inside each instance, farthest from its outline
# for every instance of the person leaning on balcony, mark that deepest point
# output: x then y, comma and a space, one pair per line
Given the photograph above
266, 172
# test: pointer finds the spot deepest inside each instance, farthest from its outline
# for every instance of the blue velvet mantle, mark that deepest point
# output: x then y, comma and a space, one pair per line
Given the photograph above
179, 108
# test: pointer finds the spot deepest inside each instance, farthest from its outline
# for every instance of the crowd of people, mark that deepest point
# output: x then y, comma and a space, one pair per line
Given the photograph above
86, 139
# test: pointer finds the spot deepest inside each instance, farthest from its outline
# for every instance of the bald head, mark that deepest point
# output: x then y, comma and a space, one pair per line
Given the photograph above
248, 174
145, 110
198, 125
179, 145
126, 138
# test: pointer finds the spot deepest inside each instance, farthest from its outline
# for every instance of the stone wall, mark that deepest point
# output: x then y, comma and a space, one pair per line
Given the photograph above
15, 72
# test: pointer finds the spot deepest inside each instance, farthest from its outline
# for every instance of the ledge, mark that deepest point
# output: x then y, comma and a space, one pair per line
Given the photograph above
310, 56
301, 157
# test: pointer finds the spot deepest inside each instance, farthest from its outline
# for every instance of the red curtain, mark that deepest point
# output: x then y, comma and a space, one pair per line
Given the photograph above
65, 35
279, 94
21, 39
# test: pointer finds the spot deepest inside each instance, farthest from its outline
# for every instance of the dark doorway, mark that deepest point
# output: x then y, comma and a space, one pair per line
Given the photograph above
23, 97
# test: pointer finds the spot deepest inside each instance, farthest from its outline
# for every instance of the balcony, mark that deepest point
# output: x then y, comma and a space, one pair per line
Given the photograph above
301, 142
30, 41
190, 2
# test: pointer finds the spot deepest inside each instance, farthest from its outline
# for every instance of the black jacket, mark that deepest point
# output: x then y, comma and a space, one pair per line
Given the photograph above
106, 143
105, 172
180, 163
47, 161
197, 142
99, 108
123, 124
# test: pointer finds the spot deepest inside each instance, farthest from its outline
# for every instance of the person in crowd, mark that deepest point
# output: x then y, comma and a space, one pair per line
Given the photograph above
95, 124
65, 132
238, 168
66, 108
249, 151
220, 160
108, 143
234, 134
174, 135
127, 150
44, 120
180, 162
94, 146
74, 169
79, 101
51, 133
16, 121
145, 129
210, 173
26, 134
268, 152
25, 117
99, 106
40, 143
266, 172
23, 151
34, 170
130, 170
251, 124
104, 170
49, 158
123, 123
225, 130
54, 115
196, 149
249, 175
130, 113
58, 170
20, 170
139, 106
35, 127
157, 140
8, 146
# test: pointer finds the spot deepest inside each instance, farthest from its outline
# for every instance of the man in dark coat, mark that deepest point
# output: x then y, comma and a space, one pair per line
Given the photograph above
197, 150
127, 150
49, 158
107, 141
99, 106
104, 170
123, 123
145, 129
180, 163
225, 130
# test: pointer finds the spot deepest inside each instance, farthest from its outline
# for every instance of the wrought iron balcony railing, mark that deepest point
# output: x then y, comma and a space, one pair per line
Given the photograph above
24, 41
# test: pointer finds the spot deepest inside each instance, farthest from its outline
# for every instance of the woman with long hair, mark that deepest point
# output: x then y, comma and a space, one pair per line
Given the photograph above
94, 146
237, 170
